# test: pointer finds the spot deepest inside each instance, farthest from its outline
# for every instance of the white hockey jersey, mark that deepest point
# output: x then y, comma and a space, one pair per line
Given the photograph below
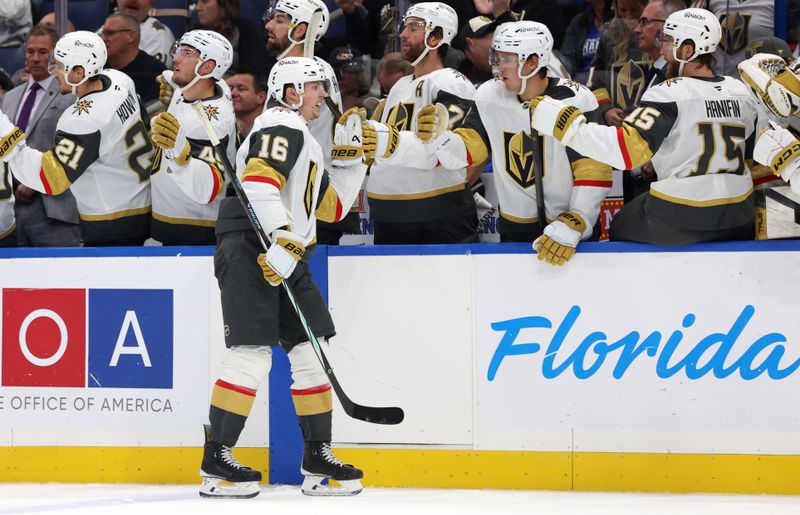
571, 182
322, 127
409, 186
186, 200
156, 39
7, 222
742, 21
698, 134
103, 154
280, 166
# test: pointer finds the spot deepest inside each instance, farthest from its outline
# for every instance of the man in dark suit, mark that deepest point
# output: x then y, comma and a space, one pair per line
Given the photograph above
35, 107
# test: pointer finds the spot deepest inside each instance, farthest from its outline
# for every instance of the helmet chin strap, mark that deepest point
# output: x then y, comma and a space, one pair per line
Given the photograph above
427, 49
525, 77
292, 45
75, 85
197, 76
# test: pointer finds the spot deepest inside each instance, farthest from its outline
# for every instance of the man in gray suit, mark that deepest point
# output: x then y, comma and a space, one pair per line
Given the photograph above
35, 107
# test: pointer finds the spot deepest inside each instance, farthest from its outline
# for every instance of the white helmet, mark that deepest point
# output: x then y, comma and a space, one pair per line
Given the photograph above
212, 46
295, 72
81, 48
301, 11
696, 25
435, 14
524, 38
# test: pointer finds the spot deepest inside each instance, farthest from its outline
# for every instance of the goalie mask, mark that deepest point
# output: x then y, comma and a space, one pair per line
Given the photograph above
300, 11
212, 47
773, 84
295, 72
434, 14
524, 38
699, 26
80, 48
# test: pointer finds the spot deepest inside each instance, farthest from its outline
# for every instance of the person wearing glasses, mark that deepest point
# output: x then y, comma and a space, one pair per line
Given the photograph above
698, 129
188, 183
120, 33
413, 200
499, 122
101, 151
155, 38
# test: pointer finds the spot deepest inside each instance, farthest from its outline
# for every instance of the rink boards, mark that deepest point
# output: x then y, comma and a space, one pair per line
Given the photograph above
631, 368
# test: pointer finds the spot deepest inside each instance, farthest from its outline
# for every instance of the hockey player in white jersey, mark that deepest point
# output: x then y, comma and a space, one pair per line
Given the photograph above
699, 131
187, 182
8, 226
102, 152
411, 202
280, 167
499, 121
287, 26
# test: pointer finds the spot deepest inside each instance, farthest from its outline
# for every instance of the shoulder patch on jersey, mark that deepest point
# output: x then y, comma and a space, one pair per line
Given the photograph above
158, 25
82, 106
562, 89
212, 111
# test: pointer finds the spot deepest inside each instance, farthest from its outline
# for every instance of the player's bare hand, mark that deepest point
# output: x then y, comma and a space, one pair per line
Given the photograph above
24, 194
614, 117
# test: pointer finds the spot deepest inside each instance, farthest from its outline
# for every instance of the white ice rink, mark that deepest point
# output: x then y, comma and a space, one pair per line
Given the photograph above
184, 500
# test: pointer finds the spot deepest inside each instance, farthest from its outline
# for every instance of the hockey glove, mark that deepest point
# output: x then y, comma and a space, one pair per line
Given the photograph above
168, 135
555, 118
279, 261
557, 244
11, 138
348, 138
380, 140
432, 122
166, 88
774, 85
777, 148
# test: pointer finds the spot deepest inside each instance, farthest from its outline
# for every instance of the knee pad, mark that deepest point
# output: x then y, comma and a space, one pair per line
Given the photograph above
247, 366
307, 371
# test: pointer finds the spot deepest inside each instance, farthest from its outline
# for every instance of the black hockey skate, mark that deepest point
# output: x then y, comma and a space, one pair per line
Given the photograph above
220, 466
320, 464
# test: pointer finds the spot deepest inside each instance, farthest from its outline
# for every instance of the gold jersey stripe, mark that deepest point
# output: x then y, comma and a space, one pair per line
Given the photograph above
476, 147
115, 216
329, 208
183, 221
519, 220
313, 404
702, 203
637, 148
259, 168
230, 400
54, 174
416, 196
585, 169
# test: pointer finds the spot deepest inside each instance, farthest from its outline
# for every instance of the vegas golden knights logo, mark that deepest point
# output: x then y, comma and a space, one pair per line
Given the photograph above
735, 27
401, 116
308, 195
627, 83
519, 155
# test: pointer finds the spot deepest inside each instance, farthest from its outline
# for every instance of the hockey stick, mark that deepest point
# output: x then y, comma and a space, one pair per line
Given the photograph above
538, 168
375, 415
308, 51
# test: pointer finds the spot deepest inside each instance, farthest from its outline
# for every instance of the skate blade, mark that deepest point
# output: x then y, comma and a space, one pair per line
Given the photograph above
214, 487
312, 485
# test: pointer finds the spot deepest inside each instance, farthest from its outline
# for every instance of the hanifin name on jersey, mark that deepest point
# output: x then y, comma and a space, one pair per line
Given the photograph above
127, 108
723, 109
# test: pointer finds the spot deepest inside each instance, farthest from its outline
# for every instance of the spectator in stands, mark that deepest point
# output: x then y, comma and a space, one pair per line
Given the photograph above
391, 68
222, 16
155, 38
15, 21
583, 36
120, 33
770, 45
475, 40
35, 107
248, 92
49, 20
362, 22
543, 11
348, 64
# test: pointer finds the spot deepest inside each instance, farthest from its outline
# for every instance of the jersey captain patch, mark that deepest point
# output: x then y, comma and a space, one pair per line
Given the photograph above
519, 157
